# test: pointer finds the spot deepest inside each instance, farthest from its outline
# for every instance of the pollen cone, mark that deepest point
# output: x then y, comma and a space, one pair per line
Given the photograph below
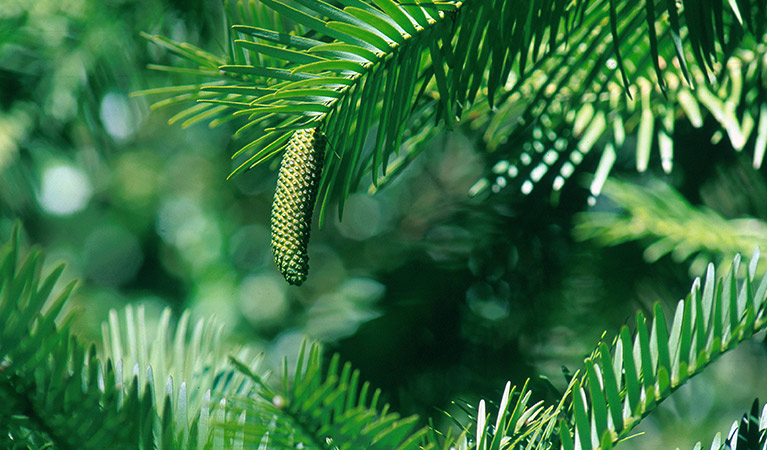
294, 199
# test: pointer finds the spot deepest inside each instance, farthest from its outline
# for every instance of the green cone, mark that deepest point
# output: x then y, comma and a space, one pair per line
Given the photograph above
294, 199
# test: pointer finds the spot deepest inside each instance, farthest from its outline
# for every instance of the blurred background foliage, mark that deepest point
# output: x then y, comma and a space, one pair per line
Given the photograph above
433, 294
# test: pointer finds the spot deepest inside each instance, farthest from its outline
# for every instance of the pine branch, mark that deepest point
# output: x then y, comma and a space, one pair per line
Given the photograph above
659, 214
187, 373
625, 381
51, 383
750, 433
320, 409
371, 75
589, 87
164, 388
56, 392
365, 65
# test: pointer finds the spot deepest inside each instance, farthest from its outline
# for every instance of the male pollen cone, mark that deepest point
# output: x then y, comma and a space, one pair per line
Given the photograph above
294, 198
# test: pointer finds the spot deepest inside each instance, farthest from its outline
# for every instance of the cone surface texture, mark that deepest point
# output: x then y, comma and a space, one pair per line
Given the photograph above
294, 199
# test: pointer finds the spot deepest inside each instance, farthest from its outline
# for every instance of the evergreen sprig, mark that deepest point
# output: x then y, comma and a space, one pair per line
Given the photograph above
184, 368
329, 408
659, 215
362, 71
749, 433
166, 387
376, 76
380, 71
625, 381
49, 381
574, 103
154, 389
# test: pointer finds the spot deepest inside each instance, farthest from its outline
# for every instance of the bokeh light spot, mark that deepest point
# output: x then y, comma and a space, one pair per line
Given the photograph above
262, 299
182, 223
285, 348
333, 317
212, 298
487, 301
362, 219
136, 178
362, 290
65, 190
117, 116
338, 314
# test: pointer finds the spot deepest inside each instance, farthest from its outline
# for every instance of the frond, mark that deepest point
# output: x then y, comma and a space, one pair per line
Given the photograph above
185, 369
362, 72
516, 424
660, 215
326, 409
54, 390
161, 388
380, 76
624, 381
657, 360
167, 387
372, 76
587, 98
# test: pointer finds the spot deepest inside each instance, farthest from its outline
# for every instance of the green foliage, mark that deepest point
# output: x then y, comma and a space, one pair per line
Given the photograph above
749, 433
659, 214
58, 394
379, 77
165, 389
183, 368
49, 381
169, 387
320, 409
572, 104
624, 381
391, 66
520, 426
659, 358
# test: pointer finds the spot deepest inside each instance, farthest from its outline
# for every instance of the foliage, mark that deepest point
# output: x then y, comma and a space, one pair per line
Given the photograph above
49, 378
181, 381
326, 409
747, 433
52, 386
660, 214
587, 109
58, 392
449, 55
103, 185
364, 73
623, 382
